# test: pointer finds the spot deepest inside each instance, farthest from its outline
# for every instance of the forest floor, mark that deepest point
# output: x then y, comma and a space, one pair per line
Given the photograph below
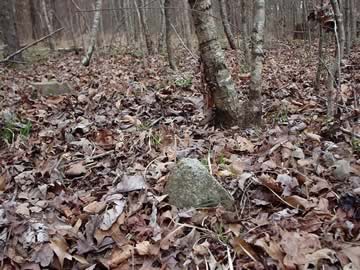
65, 162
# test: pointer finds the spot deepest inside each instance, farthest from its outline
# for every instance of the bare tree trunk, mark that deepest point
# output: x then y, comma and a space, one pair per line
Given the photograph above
335, 70
169, 45
162, 27
145, 27
347, 23
222, 93
187, 21
244, 31
48, 23
353, 20
8, 33
226, 24
254, 110
94, 30
320, 53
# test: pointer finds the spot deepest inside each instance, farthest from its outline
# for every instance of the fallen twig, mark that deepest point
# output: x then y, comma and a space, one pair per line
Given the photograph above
8, 58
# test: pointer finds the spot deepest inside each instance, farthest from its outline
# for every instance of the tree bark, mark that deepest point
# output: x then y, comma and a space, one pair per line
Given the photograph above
226, 24
222, 93
254, 108
187, 21
347, 26
168, 29
334, 75
320, 52
162, 27
244, 26
94, 30
8, 33
48, 23
145, 27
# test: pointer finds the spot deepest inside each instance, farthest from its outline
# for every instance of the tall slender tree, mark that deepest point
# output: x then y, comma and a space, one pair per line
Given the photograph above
254, 105
226, 24
48, 22
94, 30
8, 29
169, 31
145, 27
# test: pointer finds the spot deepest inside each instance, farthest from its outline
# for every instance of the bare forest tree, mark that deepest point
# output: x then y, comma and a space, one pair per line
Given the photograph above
169, 31
47, 18
226, 24
334, 76
94, 30
8, 32
145, 27
255, 104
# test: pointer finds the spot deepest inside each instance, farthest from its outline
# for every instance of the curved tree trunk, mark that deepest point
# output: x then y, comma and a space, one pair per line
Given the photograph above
255, 106
168, 30
226, 24
8, 32
228, 109
187, 22
94, 30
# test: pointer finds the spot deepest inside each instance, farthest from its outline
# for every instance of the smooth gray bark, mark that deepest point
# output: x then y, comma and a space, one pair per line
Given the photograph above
94, 30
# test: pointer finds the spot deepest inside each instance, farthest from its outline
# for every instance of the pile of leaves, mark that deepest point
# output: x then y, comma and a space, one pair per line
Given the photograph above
82, 176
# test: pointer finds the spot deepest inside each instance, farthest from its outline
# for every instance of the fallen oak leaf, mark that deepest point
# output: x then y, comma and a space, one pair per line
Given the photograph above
111, 215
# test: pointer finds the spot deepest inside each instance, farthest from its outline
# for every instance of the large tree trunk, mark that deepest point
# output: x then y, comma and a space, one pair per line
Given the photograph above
94, 30
8, 31
169, 45
48, 23
145, 27
228, 109
226, 24
254, 108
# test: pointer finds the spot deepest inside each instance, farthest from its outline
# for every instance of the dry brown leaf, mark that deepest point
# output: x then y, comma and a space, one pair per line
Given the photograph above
2, 182
120, 255
242, 247
95, 207
313, 136
75, 170
60, 247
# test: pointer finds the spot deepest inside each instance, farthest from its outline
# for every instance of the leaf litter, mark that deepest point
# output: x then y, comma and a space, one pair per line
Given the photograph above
85, 188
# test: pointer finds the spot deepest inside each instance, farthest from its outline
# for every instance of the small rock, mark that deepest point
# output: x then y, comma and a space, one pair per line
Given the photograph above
191, 185
298, 153
52, 88
342, 169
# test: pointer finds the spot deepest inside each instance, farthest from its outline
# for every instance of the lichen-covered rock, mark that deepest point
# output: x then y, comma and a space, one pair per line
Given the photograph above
191, 185
52, 88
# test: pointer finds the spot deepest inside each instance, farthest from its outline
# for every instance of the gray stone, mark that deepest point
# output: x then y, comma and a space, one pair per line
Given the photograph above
52, 88
191, 185
342, 169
